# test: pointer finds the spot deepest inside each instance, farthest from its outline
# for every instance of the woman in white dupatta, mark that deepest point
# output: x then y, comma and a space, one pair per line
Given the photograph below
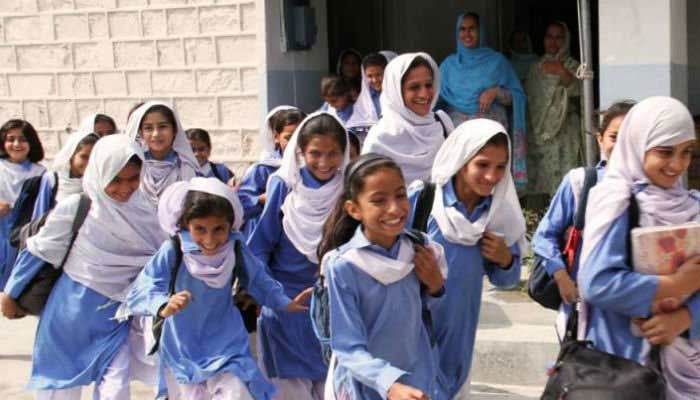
78, 341
367, 109
654, 148
409, 131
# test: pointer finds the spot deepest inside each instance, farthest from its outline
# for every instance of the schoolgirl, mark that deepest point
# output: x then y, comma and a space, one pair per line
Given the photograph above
547, 239
409, 131
477, 218
348, 68
338, 99
278, 127
379, 283
169, 156
99, 124
201, 147
367, 108
20, 154
118, 237
300, 196
204, 347
654, 149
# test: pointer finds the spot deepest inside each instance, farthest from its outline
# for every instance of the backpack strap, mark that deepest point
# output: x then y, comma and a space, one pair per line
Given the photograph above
419, 238
54, 190
215, 171
80, 216
590, 180
444, 129
175, 240
424, 206
239, 272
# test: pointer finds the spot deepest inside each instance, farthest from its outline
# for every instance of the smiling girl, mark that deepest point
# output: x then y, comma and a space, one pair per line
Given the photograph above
409, 131
300, 196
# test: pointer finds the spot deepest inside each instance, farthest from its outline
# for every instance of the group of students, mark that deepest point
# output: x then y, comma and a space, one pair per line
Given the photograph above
165, 237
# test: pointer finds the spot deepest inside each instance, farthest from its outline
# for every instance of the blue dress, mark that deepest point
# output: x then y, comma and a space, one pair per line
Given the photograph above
378, 335
208, 337
289, 346
254, 184
456, 317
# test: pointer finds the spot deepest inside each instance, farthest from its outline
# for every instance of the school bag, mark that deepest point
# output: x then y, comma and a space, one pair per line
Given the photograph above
239, 275
217, 174
540, 285
33, 298
24, 205
319, 308
583, 372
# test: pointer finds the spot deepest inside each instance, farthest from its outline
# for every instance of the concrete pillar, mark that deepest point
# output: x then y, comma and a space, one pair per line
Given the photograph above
643, 49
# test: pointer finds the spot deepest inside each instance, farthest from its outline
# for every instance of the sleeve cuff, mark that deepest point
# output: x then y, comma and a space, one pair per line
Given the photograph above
553, 265
158, 303
386, 378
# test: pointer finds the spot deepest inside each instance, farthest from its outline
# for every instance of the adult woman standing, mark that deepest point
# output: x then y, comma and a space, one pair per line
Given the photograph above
478, 82
555, 142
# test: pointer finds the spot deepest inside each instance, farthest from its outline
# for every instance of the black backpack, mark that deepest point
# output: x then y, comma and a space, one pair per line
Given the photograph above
24, 205
33, 298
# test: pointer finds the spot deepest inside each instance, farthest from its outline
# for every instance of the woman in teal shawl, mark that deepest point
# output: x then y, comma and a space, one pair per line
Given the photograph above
479, 82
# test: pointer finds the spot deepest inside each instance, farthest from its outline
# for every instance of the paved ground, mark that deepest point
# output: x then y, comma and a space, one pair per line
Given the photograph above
514, 343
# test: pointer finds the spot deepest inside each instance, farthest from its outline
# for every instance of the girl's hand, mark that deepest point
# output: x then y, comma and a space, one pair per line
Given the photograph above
664, 328
427, 269
262, 199
486, 98
177, 303
567, 287
494, 248
5, 208
299, 303
399, 391
10, 308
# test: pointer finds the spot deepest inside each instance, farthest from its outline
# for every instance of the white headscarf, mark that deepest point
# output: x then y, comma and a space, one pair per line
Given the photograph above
504, 216
363, 112
306, 209
408, 138
158, 175
116, 240
268, 154
656, 121
62, 164
13, 175
215, 270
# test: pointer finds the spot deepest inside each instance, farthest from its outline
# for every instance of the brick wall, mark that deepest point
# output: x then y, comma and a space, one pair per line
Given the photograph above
61, 60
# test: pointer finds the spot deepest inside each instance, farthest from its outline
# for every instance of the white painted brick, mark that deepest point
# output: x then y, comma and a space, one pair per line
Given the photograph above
168, 2
46, 5
197, 111
99, 28
8, 61
172, 82
44, 56
119, 109
36, 113
94, 4
93, 55
72, 85
154, 23
239, 111
249, 79
49, 142
248, 17
200, 51
62, 113
219, 19
249, 139
170, 53
28, 28
124, 24
4, 91
19, 6
10, 109
109, 83
134, 54
71, 26
226, 145
237, 49
218, 81
182, 21
87, 107
33, 85
131, 3
138, 82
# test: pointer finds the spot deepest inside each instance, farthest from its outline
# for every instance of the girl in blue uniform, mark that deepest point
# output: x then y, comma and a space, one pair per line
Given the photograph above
477, 218
201, 147
78, 340
300, 196
379, 283
204, 347
278, 128
654, 149
20, 153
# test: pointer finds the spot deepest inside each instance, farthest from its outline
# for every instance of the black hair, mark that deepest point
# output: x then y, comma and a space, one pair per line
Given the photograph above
106, 119
322, 125
340, 226
354, 141
334, 86
198, 134
134, 160
374, 60
617, 109
282, 118
498, 140
163, 110
201, 205
473, 15
88, 140
419, 61
36, 150
560, 24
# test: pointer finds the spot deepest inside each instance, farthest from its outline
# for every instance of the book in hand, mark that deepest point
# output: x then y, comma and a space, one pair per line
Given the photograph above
660, 250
